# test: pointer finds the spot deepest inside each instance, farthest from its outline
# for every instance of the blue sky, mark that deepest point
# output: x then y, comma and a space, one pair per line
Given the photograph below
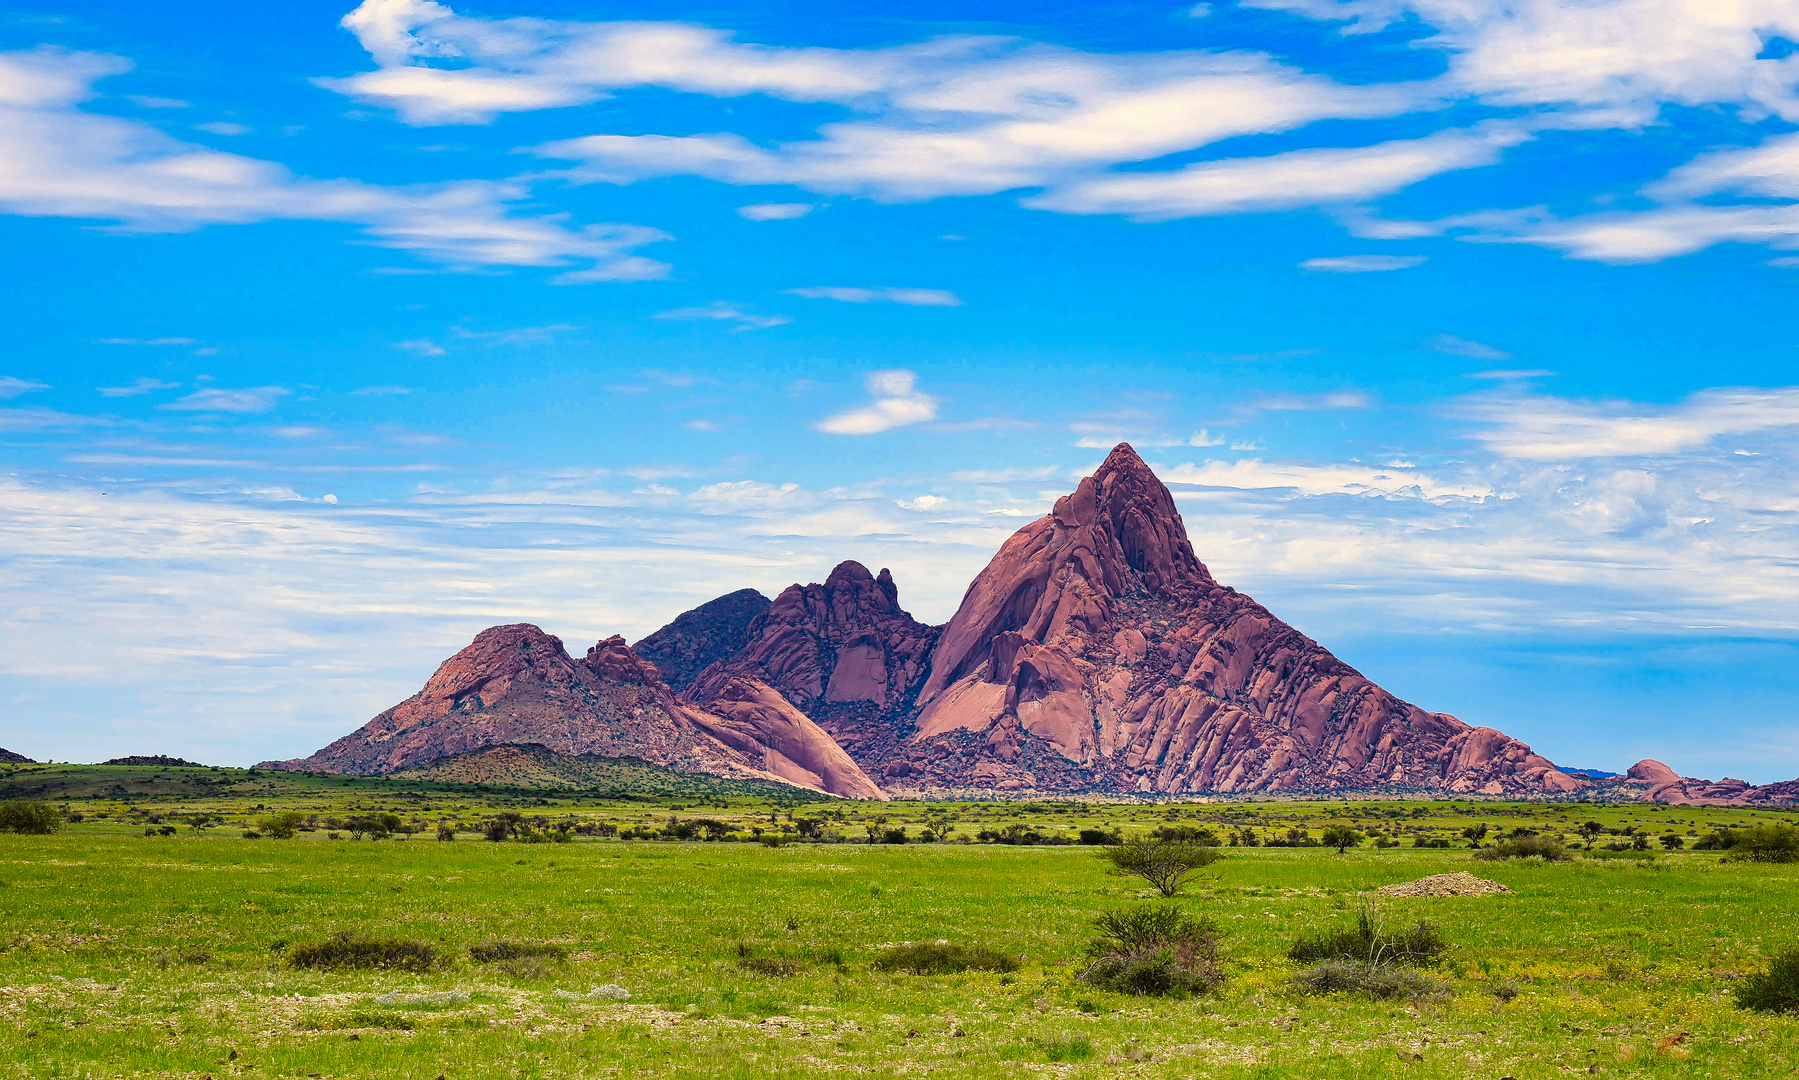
1459, 328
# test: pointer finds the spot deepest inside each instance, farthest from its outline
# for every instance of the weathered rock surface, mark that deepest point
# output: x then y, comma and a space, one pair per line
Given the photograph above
7, 757
844, 653
754, 718
517, 685
705, 635
1096, 653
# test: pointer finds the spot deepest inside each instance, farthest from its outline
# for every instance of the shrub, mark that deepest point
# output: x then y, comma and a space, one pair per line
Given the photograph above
29, 817
497, 949
941, 958
1099, 837
1716, 840
894, 836
1673, 841
769, 965
1369, 942
1773, 990
1379, 981
351, 950
1547, 848
1153, 951
1767, 843
446, 831
1164, 864
282, 826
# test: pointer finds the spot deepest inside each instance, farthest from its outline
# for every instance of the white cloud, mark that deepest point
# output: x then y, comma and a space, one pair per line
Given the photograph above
719, 311
1202, 437
256, 399
59, 161
924, 297
924, 502
141, 386
1362, 264
774, 211
11, 386
1006, 511
1337, 399
379, 390
1541, 428
1509, 374
223, 127
1296, 178
1351, 479
1005, 476
421, 347
701, 425
1456, 346
897, 403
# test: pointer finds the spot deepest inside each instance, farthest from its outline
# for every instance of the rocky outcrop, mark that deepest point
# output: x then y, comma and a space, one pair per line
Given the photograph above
517, 685
754, 718
707, 634
844, 653
1651, 781
7, 757
1097, 653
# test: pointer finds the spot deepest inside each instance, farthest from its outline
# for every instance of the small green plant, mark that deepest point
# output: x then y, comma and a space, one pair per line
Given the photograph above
1053, 1048
1773, 990
348, 949
1165, 864
1379, 981
1369, 942
942, 958
29, 817
1153, 951
495, 950
1547, 848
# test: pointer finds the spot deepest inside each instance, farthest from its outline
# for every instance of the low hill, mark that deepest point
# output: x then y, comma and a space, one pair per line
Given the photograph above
529, 766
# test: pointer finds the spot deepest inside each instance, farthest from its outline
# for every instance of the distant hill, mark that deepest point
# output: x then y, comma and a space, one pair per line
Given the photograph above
7, 757
533, 766
163, 760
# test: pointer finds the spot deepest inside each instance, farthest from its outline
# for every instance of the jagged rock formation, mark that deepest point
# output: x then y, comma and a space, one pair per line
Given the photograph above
705, 635
517, 685
1651, 781
844, 653
1096, 652
7, 757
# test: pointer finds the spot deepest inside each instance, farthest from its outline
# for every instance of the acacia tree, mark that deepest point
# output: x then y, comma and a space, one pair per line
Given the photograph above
1163, 863
1592, 830
1341, 837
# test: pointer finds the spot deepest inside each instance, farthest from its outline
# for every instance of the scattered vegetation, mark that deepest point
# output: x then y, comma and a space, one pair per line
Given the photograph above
1369, 942
1378, 981
498, 949
1547, 848
348, 949
1775, 989
942, 958
1153, 951
1165, 864
1766, 843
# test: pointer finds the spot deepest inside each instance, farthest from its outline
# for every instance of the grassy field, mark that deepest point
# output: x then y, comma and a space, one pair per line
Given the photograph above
134, 955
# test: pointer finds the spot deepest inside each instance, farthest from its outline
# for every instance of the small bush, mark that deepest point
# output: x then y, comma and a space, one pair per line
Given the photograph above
351, 950
1379, 981
1099, 838
1767, 843
1370, 942
446, 831
927, 958
524, 967
1773, 990
771, 965
1163, 863
29, 817
1547, 848
1153, 951
498, 949
282, 826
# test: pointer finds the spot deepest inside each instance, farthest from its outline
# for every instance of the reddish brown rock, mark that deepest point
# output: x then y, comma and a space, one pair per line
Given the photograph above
517, 685
844, 653
707, 634
1651, 781
754, 718
1096, 653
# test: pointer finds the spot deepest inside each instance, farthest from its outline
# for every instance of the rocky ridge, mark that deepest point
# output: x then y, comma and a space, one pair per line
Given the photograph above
705, 635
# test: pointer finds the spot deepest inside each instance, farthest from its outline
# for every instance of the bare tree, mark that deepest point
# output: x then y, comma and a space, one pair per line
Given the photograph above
1163, 863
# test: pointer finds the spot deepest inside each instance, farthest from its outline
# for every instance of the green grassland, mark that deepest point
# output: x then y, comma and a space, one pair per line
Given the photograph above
124, 954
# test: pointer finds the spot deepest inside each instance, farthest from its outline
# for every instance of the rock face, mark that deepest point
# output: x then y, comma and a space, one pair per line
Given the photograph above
517, 685
754, 718
844, 653
1096, 653
703, 636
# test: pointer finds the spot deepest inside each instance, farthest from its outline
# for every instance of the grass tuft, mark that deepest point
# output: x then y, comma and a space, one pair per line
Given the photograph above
351, 950
1383, 982
497, 949
1369, 942
940, 958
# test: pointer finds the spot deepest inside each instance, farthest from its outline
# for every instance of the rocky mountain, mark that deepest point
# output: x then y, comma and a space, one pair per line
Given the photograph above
1651, 781
844, 653
1094, 654
517, 685
707, 634
7, 757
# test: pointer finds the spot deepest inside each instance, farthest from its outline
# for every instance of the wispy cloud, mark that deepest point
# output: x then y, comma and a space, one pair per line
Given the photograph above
897, 403
379, 390
421, 347
1457, 346
256, 399
720, 311
11, 386
147, 341
849, 295
1542, 428
1362, 264
785, 211
141, 386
